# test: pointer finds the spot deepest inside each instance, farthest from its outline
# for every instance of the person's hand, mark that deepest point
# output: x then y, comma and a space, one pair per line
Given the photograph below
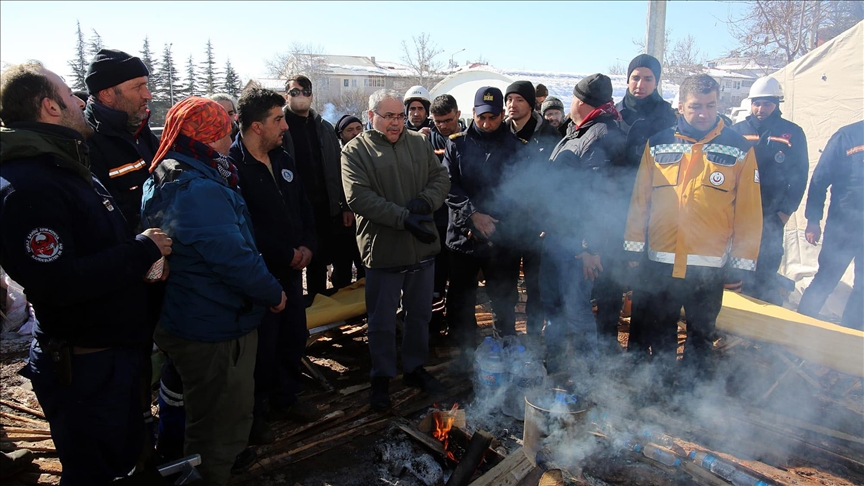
425, 131
162, 240
734, 286
298, 256
783, 217
484, 224
347, 218
305, 257
813, 232
278, 308
419, 206
734, 280
591, 266
414, 224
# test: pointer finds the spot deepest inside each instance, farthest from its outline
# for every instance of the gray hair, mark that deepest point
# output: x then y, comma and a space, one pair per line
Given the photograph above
217, 97
377, 97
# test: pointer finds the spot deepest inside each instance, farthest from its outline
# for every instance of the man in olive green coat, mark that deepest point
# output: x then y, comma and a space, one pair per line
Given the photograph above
393, 182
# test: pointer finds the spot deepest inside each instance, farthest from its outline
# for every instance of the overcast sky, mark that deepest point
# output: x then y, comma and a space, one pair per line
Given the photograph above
539, 36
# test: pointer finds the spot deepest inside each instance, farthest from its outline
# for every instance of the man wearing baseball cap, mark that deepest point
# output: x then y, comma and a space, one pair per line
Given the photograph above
122, 146
481, 232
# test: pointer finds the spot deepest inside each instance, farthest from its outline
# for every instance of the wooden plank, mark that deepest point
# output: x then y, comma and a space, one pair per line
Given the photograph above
12, 416
430, 443
19, 430
508, 472
22, 408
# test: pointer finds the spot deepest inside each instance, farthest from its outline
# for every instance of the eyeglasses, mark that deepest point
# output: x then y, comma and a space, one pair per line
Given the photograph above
297, 92
392, 116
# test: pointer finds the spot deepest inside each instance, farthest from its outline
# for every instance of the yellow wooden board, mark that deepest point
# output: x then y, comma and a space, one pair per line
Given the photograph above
837, 347
348, 302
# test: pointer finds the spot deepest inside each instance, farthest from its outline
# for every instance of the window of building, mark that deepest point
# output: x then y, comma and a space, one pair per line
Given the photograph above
345, 83
353, 83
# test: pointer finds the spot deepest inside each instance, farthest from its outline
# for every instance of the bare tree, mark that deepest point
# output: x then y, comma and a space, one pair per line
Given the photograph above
617, 69
420, 57
791, 28
684, 60
306, 59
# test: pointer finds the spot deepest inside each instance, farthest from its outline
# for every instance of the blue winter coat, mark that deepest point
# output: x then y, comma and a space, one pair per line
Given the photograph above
218, 287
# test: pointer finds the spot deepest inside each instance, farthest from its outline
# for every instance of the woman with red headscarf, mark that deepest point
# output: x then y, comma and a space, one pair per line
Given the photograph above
219, 286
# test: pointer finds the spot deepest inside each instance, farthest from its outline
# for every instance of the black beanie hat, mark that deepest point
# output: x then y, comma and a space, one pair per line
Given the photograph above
647, 61
345, 121
541, 90
595, 90
110, 68
524, 89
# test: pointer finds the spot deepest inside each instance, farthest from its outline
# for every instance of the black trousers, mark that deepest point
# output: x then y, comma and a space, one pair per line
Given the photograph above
608, 292
841, 245
337, 246
763, 284
501, 270
531, 256
660, 299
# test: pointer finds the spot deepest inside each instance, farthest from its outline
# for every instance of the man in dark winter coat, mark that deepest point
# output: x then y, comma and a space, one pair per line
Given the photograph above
582, 246
841, 167
417, 101
64, 239
484, 231
781, 153
123, 145
643, 113
284, 227
312, 143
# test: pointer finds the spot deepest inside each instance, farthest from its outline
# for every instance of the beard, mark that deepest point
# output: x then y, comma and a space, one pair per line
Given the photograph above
73, 118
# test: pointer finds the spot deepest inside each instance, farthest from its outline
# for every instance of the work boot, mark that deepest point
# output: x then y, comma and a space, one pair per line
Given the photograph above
244, 461
420, 378
379, 398
300, 412
261, 433
12, 463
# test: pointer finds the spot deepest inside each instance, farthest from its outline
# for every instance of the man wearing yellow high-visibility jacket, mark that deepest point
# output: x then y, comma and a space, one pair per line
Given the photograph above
695, 207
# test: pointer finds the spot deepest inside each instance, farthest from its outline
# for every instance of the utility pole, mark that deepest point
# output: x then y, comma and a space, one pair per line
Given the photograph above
655, 36
453, 63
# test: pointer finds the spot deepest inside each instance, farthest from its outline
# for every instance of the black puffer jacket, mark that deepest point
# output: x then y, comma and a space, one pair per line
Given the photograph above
589, 172
638, 127
484, 171
120, 159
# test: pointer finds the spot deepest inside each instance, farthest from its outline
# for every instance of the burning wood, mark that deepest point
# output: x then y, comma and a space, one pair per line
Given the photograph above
443, 422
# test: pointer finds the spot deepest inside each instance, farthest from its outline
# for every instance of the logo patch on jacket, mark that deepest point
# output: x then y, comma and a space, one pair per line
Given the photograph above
44, 245
756, 176
779, 157
287, 175
717, 178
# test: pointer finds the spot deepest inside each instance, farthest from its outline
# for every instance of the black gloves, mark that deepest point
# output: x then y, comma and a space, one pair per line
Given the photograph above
419, 206
414, 224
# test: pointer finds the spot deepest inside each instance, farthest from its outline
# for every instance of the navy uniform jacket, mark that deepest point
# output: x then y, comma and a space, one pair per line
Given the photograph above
282, 215
63, 238
781, 154
841, 166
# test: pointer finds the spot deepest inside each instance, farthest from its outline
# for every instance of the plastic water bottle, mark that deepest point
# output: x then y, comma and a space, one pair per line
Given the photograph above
661, 455
492, 373
527, 375
725, 470
658, 438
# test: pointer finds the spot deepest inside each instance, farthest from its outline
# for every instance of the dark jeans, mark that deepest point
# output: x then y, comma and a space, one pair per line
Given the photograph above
531, 256
96, 422
841, 245
442, 265
763, 284
281, 346
608, 291
660, 299
383, 289
501, 271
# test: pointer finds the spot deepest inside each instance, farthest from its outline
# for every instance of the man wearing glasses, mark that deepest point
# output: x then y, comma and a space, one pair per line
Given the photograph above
313, 144
393, 182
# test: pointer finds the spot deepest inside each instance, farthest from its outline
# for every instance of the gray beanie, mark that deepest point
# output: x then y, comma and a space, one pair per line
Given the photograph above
551, 103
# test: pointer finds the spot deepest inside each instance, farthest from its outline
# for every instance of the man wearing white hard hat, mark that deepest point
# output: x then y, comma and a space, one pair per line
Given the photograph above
417, 101
781, 154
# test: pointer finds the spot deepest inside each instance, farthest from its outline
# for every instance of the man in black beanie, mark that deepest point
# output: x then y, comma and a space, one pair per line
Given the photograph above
123, 146
643, 113
540, 94
348, 127
583, 248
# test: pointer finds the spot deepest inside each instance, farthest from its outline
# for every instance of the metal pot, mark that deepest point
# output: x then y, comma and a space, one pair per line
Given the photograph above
547, 411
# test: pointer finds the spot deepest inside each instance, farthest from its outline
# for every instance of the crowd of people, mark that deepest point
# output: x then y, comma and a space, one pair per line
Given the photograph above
199, 240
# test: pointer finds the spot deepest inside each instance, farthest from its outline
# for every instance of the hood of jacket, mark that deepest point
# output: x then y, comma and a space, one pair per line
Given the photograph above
34, 139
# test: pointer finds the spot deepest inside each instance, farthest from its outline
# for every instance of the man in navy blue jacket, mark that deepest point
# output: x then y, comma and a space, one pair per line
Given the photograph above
63, 238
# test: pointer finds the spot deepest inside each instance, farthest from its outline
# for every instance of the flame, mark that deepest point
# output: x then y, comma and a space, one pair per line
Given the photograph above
443, 423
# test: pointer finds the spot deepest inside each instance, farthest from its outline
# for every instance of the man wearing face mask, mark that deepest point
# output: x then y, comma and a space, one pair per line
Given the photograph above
781, 153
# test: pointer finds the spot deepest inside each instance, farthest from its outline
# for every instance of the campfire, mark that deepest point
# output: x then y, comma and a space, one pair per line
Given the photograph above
443, 421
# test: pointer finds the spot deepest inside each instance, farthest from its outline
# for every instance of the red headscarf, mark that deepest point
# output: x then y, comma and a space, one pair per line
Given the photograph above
198, 118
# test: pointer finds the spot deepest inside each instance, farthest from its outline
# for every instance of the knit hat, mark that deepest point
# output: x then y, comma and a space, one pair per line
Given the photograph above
647, 61
541, 90
524, 89
488, 99
110, 68
551, 103
346, 120
595, 90
198, 118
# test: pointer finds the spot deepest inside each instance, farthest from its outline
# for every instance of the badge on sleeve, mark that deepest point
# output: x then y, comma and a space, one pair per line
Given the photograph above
717, 178
756, 176
287, 175
44, 245
779, 157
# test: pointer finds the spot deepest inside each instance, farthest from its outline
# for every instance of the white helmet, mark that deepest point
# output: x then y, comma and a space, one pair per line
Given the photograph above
417, 93
766, 87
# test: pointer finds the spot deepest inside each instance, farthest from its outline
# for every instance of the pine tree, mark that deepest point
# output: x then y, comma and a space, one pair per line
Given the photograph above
210, 73
191, 87
233, 85
165, 88
94, 45
79, 64
147, 55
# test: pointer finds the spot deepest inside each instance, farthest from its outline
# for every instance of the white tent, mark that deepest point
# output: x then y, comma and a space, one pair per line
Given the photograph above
463, 85
823, 91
